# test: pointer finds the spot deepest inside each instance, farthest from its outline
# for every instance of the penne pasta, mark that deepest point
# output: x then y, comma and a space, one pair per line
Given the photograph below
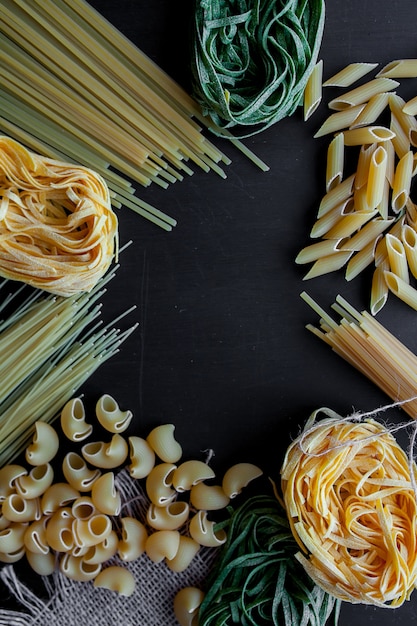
409, 240
313, 90
339, 121
336, 196
372, 110
410, 107
402, 68
368, 234
335, 162
402, 182
349, 74
407, 122
397, 258
403, 290
376, 177
379, 290
367, 135
362, 169
361, 260
318, 250
363, 93
390, 150
328, 264
331, 218
400, 140
349, 224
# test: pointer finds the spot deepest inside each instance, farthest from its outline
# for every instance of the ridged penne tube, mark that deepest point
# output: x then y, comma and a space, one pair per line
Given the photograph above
105, 496
35, 483
363, 93
366, 135
170, 517
12, 557
407, 122
159, 484
110, 415
379, 290
44, 446
142, 457
336, 196
187, 550
414, 164
12, 538
59, 533
349, 224
116, 578
397, 257
335, 162
411, 212
349, 74
369, 233
400, 141
106, 455
186, 605
390, 150
203, 531
361, 260
360, 201
329, 219
376, 177
318, 250
83, 508
73, 420
42, 564
327, 264
372, 110
162, 544
409, 239
18, 509
56, 496
103, 551
76, 568
133, 541
383, 206
402, 182
190, 473
208, 497
238, 476
92, 531
401, 68
77, 473
313, 90
339, 121
410, 107
403, 290
163, 442
8, 475
35, 536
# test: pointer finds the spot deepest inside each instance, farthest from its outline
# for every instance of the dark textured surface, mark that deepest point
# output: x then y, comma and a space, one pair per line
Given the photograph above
222, 350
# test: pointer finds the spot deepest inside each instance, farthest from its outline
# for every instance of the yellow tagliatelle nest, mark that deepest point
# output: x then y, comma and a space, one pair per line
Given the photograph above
352, 508
57, 227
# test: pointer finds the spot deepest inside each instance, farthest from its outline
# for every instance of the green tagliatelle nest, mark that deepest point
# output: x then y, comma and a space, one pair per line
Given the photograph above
252, 59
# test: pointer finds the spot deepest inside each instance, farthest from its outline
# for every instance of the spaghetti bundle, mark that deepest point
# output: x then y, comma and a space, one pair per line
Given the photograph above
252, 60
353, 510
57, 227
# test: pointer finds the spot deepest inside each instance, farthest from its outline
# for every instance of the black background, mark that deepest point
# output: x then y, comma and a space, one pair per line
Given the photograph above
222, 350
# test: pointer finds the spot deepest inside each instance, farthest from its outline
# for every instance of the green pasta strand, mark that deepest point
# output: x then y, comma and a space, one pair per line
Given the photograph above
252, 59
256, 580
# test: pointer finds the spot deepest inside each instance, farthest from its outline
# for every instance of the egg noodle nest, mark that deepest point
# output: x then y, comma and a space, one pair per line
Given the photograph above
57, 227
352, 508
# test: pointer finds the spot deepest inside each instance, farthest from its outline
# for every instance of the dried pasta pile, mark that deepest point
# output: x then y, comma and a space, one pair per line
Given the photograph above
251, 60
57, 228
353, 510
367, 217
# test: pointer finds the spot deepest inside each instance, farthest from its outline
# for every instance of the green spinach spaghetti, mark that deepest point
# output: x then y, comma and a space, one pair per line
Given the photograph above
252, 58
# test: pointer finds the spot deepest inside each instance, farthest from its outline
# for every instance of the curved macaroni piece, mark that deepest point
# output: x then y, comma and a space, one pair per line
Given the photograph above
77, 474
186, 604
239, 476
170, 517
76, 568
106, 455
116, 578
110, 415
18, 509
187, 550
79, 551
12, 557
133, 541
59, 533
83, 508
190, 473
56, 496
105, 496
103, 551
44, 446
159, 484
203, 531
162, 544
8, 475
163, 442
142, 457
42, 564
4, 522
35, 537
12, 538
92, 531
34, 484
73, 422
208, 497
